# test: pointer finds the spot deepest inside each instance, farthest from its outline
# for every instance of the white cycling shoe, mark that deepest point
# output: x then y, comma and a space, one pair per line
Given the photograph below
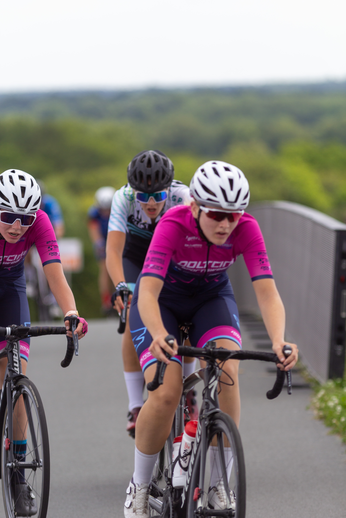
137, 501
217, 497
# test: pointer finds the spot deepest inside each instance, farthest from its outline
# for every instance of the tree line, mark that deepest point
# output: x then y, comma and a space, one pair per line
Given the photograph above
290, 143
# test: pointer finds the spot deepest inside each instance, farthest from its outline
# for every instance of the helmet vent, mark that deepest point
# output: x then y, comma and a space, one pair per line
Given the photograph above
224, 194
22, 190
28, 202
231, 183
216, 172
11, 179
149, 163
16, 200
205, 188
2, 196
237, 197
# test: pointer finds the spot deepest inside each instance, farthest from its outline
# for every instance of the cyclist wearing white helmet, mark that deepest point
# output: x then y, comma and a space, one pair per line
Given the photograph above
23, 224
98, 217
184, 278
136, 210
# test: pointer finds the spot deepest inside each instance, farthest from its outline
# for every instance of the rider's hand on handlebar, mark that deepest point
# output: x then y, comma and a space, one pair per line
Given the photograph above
81, 329
158, 344
289, 362
118, 296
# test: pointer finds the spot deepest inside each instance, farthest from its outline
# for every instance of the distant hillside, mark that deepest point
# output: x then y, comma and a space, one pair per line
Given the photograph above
137, 104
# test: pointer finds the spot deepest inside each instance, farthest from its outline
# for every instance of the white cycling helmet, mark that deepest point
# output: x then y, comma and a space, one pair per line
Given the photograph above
220, 185
19, 192
104, 197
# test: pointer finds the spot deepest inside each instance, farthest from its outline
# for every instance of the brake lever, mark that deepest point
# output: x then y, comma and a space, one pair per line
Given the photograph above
287, 350
74, 325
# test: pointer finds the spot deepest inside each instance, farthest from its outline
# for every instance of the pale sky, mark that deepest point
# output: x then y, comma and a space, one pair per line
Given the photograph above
73, 44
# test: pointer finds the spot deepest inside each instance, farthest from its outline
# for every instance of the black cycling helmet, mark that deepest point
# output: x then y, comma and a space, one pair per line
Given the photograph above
150, 171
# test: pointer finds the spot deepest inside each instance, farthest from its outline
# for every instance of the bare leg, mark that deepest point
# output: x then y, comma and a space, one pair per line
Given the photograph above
155, 419
19, 420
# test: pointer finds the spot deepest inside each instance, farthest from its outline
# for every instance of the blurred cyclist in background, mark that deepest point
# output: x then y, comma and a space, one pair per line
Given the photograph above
52, 208
98, 216
37, 285
136, 210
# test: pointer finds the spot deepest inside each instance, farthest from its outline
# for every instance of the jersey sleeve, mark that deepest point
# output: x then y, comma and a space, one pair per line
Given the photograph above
120, 209
45, 240
179, 194
165, 240
254, 250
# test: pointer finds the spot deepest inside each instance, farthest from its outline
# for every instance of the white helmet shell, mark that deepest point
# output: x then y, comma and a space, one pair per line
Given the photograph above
221, 185
19, 192
104, 197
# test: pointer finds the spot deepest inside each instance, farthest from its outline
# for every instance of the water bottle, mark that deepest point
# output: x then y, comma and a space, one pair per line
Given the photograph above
182, 446
186, 443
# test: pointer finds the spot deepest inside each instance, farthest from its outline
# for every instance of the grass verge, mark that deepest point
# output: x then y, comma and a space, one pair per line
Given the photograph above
329, 404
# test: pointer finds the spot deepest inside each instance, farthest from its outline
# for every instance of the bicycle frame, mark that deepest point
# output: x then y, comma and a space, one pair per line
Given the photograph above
13, 372
210, 405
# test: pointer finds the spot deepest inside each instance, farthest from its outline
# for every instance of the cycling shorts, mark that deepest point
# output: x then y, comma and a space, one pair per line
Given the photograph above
213, 315
14, 309
132, 271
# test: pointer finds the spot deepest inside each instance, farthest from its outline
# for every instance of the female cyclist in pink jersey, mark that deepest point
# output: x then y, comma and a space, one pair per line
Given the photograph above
184, 278
22, 225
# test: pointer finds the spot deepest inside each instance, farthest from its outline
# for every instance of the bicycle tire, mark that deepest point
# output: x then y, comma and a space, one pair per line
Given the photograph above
37, 461
221, 430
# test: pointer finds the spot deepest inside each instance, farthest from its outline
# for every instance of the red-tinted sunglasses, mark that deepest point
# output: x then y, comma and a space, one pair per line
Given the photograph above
26, 220
218, 215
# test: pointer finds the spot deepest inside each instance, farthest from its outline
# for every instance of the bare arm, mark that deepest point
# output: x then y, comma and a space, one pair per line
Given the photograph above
59, 229
114, 262
273, 314
61, 290
94, 231
149, 310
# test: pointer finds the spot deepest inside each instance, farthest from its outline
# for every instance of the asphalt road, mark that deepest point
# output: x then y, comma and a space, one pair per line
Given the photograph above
294, 467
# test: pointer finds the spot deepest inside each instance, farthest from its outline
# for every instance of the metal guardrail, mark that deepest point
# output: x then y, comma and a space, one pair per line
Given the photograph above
307, 252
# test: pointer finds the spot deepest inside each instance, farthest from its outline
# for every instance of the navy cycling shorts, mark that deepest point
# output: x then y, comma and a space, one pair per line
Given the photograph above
131, 272
213, 315
14, 309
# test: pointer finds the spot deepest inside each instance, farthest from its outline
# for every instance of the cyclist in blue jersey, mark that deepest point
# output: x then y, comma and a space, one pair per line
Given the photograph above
98, 217
52, 208
136, 210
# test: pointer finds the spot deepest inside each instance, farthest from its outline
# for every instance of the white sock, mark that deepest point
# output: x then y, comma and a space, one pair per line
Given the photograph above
134, 384
215, 465
144, 465
189, 368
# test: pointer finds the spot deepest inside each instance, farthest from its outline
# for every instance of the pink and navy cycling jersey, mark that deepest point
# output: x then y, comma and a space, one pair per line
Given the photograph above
179, 255
41, 234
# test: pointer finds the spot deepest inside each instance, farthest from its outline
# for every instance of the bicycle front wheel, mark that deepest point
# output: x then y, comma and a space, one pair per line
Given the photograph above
25, 466
218, 484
